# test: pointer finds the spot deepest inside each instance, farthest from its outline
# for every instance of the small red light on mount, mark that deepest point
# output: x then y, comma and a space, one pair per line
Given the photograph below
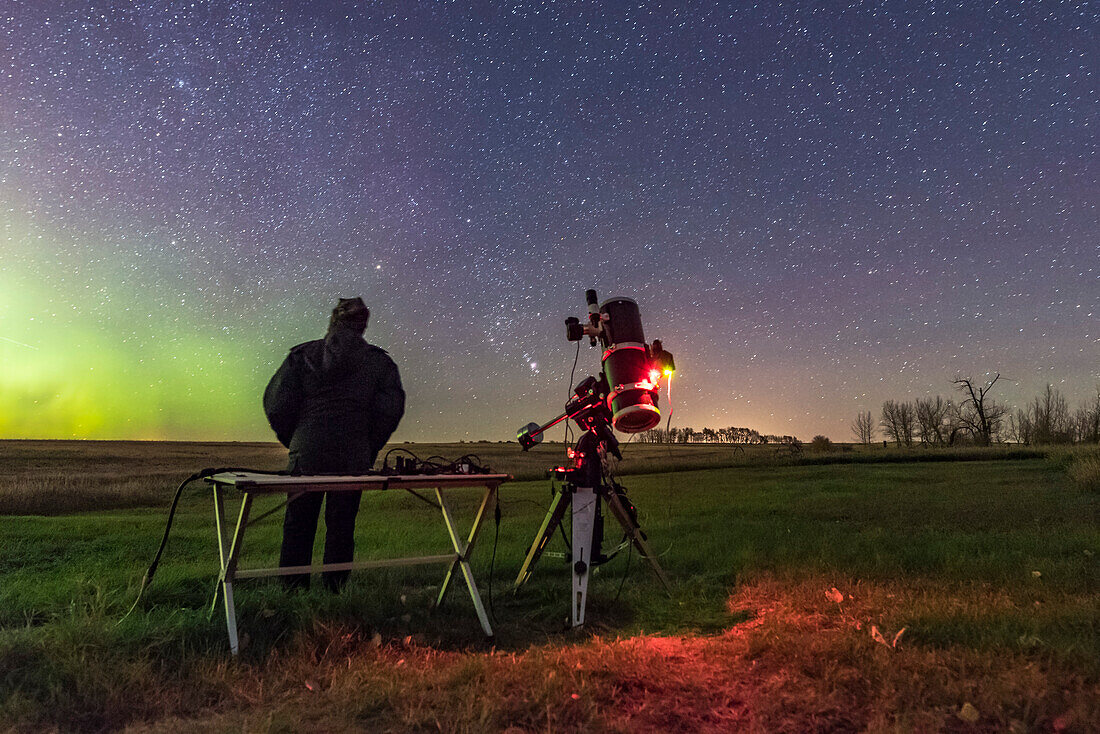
654, 376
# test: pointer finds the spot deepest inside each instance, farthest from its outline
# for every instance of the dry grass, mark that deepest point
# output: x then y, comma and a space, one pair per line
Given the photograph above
802, 662
883, 658
61, 477
1084, 471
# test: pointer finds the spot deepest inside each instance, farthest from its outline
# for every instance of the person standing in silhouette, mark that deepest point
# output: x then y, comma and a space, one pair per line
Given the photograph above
334, 402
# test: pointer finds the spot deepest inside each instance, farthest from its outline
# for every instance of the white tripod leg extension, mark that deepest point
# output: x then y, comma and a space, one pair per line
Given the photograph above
584, 521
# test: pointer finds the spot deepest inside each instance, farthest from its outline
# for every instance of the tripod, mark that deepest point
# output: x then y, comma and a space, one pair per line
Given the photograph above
583, 491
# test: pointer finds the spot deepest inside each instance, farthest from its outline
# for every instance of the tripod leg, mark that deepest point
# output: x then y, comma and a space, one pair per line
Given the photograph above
584, 522
546, 532
637, 536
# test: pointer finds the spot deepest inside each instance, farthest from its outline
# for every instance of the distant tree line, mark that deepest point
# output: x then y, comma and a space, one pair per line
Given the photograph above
976, 418
733, 434
1048, 419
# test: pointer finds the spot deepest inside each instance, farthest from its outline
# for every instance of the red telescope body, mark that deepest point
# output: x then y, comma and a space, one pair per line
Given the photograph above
628, 368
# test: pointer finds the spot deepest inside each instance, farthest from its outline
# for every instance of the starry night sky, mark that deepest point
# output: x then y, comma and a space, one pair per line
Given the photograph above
818, 206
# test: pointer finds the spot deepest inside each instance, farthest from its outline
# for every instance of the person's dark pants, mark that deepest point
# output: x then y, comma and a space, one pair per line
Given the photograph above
300, 527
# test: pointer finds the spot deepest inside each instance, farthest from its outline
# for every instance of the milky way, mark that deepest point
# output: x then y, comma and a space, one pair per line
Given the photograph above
817, 206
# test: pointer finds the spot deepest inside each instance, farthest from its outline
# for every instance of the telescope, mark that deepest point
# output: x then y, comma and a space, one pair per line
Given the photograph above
631, 371
625, 398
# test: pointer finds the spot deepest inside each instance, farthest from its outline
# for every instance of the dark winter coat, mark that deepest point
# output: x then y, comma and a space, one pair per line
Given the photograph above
334, 403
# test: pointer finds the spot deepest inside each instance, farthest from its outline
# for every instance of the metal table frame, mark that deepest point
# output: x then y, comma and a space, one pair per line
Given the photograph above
250, 484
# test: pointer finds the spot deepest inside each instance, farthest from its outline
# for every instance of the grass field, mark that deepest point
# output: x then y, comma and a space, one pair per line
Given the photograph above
875, 594
58, 477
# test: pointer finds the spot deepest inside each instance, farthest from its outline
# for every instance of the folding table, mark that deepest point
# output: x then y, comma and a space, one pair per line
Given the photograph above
251, 484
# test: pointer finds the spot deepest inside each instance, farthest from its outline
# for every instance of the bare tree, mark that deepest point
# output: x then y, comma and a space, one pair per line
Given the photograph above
932, 420
1050, 417
1079, 423
978, 413
863, 427
906, 420
1020, 429
1090, 430
897, 422
889, 421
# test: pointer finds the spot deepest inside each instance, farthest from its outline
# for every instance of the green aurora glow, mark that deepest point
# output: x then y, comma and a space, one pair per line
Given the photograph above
68, 372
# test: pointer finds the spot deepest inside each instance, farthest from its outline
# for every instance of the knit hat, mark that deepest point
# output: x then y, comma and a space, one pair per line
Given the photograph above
350, 312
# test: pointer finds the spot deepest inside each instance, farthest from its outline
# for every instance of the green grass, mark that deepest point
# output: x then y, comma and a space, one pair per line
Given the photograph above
989, 566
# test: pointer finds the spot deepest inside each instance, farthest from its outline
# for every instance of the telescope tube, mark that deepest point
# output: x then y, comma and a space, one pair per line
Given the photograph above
626, 365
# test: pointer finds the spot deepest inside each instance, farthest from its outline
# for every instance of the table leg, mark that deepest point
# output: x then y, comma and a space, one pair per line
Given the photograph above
229, 569
223, 549
463, 549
